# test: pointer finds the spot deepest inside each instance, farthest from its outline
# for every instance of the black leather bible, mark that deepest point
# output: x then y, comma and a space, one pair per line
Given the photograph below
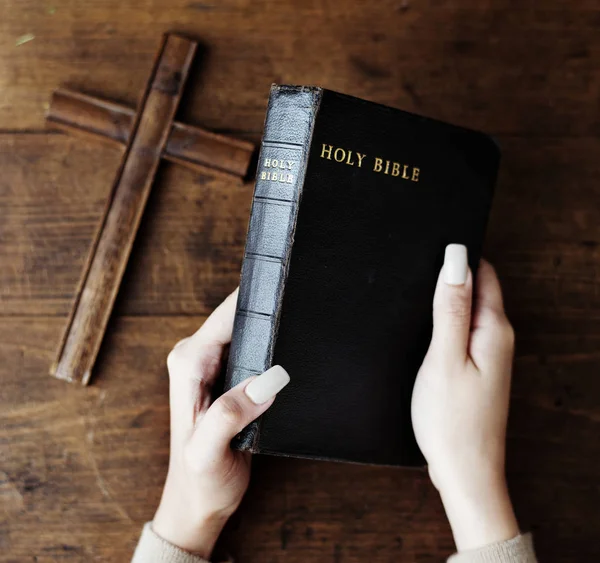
353, 206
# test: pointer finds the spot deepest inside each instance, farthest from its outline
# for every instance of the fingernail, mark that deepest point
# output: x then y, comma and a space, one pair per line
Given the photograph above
267, 385
456, 265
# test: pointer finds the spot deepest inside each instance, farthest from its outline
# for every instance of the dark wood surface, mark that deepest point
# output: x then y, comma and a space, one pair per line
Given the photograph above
82, 468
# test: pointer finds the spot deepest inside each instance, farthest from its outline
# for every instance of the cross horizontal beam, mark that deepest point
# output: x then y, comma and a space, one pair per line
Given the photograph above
186, 145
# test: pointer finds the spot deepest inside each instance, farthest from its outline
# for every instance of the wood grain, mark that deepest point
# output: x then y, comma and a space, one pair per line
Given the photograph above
189, 146
83, 467
106, 263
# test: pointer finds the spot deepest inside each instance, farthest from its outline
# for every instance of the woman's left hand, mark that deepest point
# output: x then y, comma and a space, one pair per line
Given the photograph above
207, 479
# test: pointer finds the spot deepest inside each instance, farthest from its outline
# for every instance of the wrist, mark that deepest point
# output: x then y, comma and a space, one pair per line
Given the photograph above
481, 513
196, 535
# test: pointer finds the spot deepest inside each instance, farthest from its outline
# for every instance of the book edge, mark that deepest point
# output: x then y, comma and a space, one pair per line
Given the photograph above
249, 438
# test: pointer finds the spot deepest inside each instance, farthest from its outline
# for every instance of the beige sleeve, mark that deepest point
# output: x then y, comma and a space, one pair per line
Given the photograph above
517, 550
153, 549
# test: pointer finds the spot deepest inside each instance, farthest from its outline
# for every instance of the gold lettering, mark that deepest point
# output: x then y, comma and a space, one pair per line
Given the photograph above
326, 150
267, 162
342, 152
275, 163
290, 164
274, 176
263, 175
351, 158
290, 178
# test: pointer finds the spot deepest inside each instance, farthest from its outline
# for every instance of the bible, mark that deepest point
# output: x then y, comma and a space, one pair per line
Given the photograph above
353, 206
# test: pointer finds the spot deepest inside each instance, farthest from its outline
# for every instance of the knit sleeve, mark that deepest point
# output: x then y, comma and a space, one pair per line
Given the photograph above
153, 549
516, 550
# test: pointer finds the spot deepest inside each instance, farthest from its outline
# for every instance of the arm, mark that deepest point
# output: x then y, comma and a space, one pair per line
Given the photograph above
206, 479
460, 410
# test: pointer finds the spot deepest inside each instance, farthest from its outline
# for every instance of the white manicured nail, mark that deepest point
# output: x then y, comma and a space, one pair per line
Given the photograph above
267, 385
456, 265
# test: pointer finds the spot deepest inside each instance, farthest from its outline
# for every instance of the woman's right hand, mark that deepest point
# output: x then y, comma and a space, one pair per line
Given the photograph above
460, 402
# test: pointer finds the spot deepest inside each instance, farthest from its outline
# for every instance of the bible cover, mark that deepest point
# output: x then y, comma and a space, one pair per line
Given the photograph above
353, 206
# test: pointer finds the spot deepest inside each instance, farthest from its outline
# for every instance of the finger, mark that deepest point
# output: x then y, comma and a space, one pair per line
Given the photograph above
218, 327
189, 386
492, 339
233, 411
488, 293
452, 306
194, 364
198, 357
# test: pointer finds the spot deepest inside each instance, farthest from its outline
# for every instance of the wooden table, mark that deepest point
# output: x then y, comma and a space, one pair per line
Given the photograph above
82, 468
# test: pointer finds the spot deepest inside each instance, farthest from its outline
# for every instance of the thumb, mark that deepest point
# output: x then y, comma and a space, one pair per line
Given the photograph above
234, 410
452, 306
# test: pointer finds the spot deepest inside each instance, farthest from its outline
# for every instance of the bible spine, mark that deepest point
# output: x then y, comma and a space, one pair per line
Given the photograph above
280, 174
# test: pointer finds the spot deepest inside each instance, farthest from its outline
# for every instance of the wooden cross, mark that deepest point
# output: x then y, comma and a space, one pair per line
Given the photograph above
148, 135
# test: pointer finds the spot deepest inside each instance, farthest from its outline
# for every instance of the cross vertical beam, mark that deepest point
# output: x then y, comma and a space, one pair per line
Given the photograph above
113, 242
